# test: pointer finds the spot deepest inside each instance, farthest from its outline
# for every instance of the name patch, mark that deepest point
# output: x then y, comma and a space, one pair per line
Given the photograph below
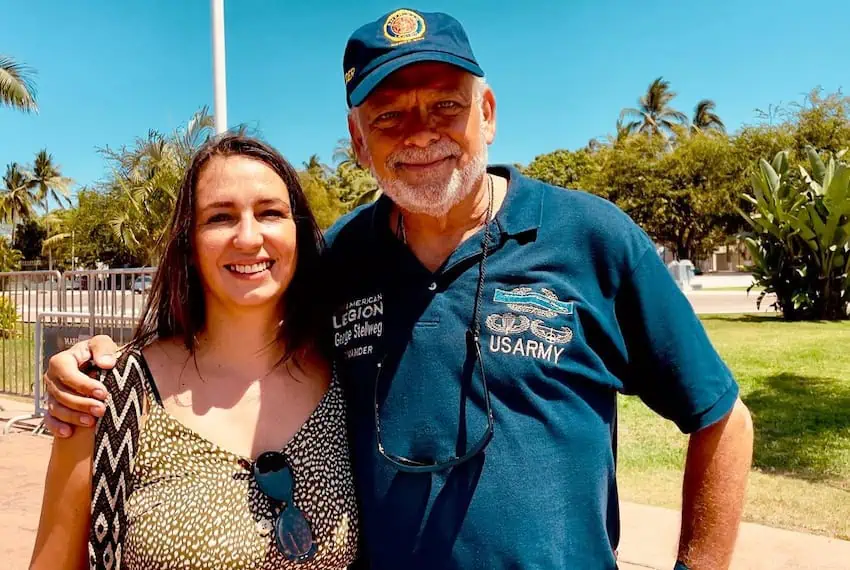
357, 324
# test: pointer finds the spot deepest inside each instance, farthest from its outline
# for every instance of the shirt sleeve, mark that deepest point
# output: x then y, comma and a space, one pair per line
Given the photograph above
672, 365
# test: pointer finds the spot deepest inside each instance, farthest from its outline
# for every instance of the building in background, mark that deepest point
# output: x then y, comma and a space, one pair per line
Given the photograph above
732, 258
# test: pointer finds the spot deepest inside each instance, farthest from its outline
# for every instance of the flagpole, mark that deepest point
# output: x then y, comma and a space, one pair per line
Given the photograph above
219, 75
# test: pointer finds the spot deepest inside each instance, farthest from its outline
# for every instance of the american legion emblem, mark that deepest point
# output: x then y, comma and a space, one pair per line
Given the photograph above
404, 26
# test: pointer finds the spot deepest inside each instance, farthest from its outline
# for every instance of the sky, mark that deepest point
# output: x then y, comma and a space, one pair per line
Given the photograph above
108, 71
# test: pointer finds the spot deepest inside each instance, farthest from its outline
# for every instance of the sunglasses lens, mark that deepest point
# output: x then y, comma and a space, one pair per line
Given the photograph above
274, 476
293, 536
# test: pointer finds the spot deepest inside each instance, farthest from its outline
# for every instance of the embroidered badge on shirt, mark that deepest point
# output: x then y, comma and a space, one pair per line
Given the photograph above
508, 327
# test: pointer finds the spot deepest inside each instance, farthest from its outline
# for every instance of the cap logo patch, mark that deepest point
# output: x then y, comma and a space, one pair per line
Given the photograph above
404, 26
349, 74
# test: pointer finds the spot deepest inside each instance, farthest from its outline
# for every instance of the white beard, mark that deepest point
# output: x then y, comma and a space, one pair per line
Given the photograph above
435, 198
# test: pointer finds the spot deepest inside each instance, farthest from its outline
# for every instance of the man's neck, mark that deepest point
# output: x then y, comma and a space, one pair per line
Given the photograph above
433, 238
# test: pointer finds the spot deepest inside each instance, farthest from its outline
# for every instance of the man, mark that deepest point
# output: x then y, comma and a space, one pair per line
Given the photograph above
483, 324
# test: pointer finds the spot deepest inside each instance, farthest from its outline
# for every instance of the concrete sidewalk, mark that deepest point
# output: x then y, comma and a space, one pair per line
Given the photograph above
650, 538
649, 534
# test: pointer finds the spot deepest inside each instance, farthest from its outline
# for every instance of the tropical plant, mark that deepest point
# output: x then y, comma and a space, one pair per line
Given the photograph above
705, 118
8, 318
16, 199
145, 181
82, 237
344, 155
356, 185
17, 87
10, 258
800, 238
654, 115
48, 181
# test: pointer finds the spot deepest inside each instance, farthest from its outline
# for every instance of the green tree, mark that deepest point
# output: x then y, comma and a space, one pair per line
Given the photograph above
564, 168
654, 115
317, 180
694, 210
145, 182
344, 155
48, 180
16, 200
28, 239
83, 233
821, 122
10, 258
705, 118
683, 196
355, 185
17, 86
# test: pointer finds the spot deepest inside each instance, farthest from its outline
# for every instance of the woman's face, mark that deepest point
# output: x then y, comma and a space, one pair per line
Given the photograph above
244, 234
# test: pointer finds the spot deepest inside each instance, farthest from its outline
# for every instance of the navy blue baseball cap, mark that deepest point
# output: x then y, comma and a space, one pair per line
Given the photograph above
400, 38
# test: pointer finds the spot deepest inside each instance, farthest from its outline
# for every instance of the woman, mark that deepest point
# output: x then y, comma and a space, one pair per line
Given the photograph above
237, 455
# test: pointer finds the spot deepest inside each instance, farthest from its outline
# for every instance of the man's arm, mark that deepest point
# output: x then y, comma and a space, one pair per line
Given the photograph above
74, 398
716, 471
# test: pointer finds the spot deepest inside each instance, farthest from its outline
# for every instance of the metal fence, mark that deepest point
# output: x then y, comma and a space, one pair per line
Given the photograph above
23, 295
110, 300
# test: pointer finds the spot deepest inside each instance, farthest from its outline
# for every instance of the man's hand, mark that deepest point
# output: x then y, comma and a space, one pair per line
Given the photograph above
74, 398
716, 472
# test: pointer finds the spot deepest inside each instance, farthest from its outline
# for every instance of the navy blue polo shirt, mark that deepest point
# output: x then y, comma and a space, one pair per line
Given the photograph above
576, 307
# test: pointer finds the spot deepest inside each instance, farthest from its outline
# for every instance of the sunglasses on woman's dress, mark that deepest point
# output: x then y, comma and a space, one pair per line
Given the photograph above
292, 532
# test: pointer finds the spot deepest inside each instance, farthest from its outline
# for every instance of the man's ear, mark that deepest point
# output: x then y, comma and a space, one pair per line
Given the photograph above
357, 142
488, 108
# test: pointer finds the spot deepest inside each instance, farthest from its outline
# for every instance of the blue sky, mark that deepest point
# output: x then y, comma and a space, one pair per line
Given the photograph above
108, 70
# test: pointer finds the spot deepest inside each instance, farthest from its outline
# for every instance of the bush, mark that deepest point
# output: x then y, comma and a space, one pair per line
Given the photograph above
10, 258
8, 318
800, 241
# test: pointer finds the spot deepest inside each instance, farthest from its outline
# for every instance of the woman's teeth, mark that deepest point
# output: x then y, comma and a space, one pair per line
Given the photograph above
247, 269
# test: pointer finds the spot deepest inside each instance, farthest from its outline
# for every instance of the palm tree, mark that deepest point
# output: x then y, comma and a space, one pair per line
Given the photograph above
315, 167
48, 180
344, 154
16, 200
17, 88
654, 115
146, 181
10, 259
705, 118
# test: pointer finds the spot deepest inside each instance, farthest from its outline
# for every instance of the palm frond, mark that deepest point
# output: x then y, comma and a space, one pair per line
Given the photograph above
17, 86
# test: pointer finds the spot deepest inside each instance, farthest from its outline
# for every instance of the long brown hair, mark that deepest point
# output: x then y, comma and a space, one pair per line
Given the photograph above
175, 308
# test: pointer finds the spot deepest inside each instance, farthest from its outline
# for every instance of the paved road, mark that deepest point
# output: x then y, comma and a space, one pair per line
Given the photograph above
30, 303
130, 304
715, 302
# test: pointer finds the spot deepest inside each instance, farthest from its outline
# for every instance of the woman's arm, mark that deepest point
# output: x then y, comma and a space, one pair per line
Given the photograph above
62, 539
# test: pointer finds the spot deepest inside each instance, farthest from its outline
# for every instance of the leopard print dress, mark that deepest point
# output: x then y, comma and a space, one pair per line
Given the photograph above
195, 506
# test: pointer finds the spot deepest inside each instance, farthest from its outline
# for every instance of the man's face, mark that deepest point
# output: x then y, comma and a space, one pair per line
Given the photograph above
424, 134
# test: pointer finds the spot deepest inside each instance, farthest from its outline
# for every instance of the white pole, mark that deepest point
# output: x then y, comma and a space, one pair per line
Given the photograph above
219, 75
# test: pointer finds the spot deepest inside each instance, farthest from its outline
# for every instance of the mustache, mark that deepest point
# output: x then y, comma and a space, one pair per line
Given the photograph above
432, 153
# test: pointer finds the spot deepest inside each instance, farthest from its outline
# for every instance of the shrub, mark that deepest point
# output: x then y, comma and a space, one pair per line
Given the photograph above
8, 318
800, 241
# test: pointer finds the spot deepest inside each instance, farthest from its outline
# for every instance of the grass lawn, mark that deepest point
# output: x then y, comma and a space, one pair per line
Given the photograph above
17, 355
795, 379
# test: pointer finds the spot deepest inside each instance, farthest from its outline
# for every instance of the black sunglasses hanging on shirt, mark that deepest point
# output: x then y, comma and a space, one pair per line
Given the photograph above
473, 341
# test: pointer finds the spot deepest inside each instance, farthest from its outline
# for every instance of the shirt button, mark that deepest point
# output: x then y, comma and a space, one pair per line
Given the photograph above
432, 287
